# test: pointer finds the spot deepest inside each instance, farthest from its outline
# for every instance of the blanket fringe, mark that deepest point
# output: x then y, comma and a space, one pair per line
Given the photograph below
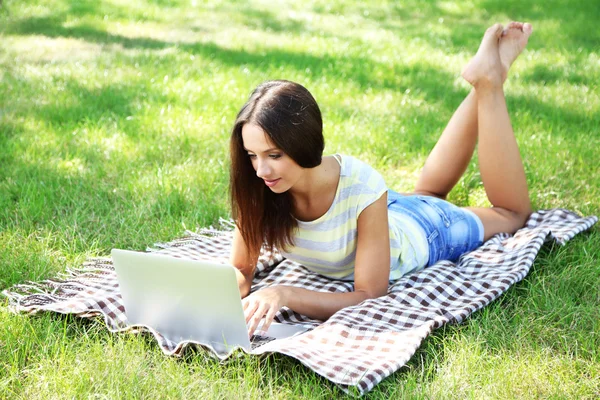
204, 235
76, 280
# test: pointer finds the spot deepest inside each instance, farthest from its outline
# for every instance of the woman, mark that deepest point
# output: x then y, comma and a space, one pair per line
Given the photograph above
335, 214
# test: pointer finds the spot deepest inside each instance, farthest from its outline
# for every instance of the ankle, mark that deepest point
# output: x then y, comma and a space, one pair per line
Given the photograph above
486, 87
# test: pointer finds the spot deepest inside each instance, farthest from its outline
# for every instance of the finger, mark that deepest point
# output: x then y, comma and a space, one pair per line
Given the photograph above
269, 317
250, 310
255, 320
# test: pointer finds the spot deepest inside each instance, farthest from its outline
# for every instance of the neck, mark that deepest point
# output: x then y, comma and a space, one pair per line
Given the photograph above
309, 185
315, 182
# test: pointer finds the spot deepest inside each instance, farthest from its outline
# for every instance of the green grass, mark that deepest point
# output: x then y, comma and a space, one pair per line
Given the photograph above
114, 119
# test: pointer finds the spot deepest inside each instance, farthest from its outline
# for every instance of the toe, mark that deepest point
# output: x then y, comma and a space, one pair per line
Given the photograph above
493, 32
515, 25
527, 28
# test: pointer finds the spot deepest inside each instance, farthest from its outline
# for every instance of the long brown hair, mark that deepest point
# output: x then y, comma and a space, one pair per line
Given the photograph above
291, 118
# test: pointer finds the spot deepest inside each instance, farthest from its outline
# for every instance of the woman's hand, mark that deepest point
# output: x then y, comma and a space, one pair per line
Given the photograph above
263, 303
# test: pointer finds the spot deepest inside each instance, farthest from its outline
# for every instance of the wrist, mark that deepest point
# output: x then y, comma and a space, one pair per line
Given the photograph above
285, 293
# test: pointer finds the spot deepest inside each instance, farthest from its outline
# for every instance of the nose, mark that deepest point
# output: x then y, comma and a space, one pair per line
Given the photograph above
263, 169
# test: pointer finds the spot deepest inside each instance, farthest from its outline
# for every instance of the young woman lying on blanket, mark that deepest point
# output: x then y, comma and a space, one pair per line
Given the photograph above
336, 216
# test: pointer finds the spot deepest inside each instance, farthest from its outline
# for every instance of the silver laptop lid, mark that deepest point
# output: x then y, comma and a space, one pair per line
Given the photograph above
182, 299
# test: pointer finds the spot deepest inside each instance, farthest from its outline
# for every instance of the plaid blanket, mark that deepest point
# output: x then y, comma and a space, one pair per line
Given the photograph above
358, 346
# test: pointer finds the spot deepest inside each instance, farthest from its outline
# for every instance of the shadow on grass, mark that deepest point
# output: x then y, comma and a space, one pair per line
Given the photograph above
362, 72
270, 22
546, 74
436, 85
351, 67
92, 9
99, 208
577, 21
53, 27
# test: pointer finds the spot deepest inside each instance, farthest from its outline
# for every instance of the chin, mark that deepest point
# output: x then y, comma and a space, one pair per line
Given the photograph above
279, 189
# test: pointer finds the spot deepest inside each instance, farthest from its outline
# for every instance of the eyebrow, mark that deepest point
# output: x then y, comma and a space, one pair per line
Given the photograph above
266, 151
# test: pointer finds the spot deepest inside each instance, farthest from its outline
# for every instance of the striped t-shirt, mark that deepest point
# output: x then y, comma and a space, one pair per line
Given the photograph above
327, 245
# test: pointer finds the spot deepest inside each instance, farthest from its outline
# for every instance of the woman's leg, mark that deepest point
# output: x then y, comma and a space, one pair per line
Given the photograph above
450, 157
451, 154
500, 162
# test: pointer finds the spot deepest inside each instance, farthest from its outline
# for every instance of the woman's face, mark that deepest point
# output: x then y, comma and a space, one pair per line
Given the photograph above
278, 171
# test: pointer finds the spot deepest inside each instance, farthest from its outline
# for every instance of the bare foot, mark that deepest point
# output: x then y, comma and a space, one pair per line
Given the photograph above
512, 42
485, 68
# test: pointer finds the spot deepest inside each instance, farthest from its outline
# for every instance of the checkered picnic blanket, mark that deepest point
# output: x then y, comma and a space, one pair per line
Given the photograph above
358, 346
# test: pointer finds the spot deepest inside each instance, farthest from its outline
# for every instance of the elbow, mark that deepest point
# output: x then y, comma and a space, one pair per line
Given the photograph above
245, 285
374, 293
380, 289
244, 291
244, 282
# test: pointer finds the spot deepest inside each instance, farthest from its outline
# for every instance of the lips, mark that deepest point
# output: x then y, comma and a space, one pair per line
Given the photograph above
271, 183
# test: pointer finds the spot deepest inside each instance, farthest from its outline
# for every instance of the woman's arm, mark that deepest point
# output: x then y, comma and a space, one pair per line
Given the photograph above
371, 277
240, 259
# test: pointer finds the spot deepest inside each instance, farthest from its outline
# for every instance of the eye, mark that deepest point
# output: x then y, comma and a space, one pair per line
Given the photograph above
252, 156
275, 156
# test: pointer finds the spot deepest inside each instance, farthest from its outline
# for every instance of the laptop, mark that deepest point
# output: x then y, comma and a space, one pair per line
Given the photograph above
187, 299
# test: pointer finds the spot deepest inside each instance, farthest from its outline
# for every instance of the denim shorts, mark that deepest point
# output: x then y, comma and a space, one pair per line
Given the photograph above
451, 231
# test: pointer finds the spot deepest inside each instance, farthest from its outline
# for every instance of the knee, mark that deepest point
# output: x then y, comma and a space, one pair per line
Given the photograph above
513, 220
523, 217
519, 218
524, 214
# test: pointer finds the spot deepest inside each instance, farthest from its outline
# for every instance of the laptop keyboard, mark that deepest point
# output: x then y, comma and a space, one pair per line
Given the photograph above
259, 340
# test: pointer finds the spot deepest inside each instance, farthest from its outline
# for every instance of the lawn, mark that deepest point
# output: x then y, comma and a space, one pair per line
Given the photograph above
114, 125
